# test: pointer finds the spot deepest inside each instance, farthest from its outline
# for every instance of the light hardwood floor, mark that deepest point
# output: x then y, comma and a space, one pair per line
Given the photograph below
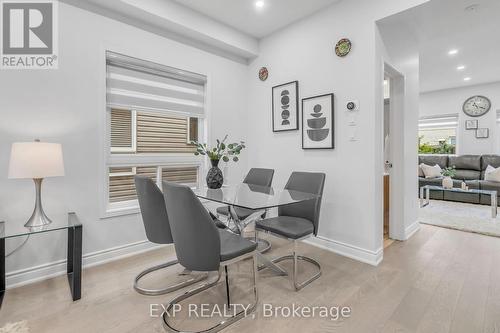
440, 280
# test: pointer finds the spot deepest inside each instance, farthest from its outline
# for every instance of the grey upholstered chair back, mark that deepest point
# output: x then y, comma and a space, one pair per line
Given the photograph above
310, 183
259, 176
196, 238
153, 211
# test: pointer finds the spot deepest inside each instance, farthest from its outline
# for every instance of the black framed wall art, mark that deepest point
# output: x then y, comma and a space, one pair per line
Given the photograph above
286, 107
318, 122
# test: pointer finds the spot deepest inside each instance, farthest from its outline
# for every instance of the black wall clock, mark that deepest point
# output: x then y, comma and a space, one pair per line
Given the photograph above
476, 106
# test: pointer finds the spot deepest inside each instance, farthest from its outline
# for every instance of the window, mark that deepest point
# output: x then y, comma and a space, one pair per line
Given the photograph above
121, 180
154, 112
438, 135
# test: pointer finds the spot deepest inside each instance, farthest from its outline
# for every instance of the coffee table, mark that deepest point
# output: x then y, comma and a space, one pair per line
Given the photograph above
424, 201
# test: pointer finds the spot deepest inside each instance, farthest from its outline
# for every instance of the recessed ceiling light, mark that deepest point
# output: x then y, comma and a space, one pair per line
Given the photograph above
460, 68
453, 52
467, 78
259, 4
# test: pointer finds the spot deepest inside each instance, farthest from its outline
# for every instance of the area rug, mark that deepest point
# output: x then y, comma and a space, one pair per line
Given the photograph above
19, 327
461, 216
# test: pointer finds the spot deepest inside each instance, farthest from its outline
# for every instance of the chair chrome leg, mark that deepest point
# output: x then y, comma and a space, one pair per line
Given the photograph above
228, 295
295, 257
156, 292
221, 325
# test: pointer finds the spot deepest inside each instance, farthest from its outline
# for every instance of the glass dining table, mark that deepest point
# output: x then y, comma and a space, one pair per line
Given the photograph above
257, 198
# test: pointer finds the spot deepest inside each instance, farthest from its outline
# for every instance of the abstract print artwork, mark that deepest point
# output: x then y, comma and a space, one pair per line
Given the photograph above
318, 122
286, 107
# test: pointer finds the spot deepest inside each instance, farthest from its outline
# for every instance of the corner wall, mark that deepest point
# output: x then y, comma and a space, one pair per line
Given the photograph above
351, 217
65, 105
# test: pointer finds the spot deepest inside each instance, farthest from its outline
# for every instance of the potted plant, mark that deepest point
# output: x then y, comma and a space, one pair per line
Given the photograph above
222, 151
448, 173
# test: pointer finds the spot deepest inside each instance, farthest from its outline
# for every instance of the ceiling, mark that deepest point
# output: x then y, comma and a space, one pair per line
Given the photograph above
439, 26
244, 16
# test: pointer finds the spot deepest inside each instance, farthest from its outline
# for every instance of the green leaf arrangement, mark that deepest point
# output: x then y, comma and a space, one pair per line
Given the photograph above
449, 172
222, 150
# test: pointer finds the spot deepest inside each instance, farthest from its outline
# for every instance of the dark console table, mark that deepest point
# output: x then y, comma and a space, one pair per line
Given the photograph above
12, 229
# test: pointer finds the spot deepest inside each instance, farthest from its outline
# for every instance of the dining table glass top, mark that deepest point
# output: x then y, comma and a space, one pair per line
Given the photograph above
253, 196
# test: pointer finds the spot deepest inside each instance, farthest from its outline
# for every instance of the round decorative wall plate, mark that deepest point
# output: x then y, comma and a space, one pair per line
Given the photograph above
263, 74
343, 47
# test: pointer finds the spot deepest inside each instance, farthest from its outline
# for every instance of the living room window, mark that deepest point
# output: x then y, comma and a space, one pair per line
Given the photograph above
438, 134
153, 113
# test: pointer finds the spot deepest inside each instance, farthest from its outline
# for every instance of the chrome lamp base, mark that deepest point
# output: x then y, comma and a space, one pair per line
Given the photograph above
38, 218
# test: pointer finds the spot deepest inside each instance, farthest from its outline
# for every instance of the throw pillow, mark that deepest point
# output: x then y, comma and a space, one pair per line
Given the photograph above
431, 171
420, 172
492, 174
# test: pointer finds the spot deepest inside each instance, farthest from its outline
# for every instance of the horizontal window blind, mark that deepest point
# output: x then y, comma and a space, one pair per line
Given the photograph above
185, 175
157, 133
141, 85
442, 121
121, 129
122, 186
193, 129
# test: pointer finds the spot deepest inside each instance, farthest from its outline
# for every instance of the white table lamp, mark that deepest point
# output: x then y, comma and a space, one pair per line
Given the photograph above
36, 160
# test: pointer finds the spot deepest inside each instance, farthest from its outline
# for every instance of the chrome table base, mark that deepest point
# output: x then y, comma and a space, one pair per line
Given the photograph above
239, 225
242, 224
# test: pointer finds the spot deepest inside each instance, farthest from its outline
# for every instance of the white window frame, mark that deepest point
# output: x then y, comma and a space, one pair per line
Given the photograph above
133, 148
109, 210
112, 209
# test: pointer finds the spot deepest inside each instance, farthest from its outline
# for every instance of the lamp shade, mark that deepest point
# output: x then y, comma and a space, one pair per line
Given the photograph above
36, 160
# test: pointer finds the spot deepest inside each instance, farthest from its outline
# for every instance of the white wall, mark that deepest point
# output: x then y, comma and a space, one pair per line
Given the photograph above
451, 100
66, 106
351, 217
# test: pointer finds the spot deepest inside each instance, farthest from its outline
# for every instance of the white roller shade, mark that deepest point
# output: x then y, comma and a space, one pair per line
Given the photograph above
442, 121
141, 85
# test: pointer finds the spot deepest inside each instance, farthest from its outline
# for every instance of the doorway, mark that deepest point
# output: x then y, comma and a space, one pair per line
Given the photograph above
393, 155
387, 159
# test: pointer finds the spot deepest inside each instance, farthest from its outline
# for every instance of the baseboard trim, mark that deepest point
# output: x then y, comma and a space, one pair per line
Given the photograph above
412, 229
357, 253
38, 273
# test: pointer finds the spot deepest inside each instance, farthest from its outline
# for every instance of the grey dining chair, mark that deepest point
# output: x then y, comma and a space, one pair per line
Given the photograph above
298, 221
156, 224
201, 246
256, 176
